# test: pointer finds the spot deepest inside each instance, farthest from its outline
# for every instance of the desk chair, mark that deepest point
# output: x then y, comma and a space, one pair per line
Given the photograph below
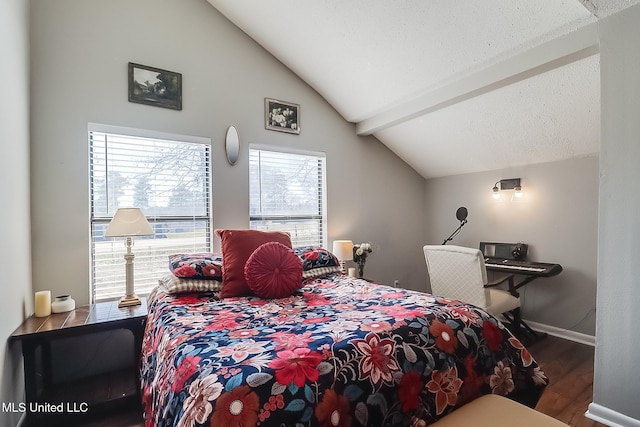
459, 273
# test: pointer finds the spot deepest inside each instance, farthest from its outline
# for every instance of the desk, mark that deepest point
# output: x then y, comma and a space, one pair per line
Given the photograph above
37, 333
529, 271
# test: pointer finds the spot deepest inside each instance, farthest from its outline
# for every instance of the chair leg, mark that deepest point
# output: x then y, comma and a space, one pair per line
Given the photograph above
520, 329
517, 322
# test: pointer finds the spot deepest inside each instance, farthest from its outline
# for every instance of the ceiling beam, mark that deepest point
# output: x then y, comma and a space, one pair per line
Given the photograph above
588, 4
556, 53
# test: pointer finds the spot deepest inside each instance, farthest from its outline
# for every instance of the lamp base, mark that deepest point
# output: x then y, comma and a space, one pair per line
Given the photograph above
129, 301
343, 267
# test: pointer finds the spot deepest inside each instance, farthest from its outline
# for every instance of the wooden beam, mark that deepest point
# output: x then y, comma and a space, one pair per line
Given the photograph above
556, 53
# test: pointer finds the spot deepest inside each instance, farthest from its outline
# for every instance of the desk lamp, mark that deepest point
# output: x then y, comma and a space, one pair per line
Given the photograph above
343, 250
129, 222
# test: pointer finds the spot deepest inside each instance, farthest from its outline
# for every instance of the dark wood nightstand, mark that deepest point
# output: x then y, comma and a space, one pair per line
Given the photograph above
69, 403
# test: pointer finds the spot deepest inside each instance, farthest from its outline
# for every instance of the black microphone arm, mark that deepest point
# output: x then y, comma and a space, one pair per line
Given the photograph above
461, 215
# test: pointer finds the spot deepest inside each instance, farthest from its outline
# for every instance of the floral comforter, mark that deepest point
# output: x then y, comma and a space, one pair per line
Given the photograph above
339, 352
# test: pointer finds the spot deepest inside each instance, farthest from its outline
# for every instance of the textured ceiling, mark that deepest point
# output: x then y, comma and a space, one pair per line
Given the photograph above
451, 86
516, 125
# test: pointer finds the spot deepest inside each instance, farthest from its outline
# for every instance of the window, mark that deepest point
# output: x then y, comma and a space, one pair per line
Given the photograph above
168, 177
287, 193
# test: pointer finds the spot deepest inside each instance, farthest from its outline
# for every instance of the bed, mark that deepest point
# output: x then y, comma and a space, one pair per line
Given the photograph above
338, 351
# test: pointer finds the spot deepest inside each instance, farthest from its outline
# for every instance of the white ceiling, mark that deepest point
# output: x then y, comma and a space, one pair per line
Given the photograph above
451, 86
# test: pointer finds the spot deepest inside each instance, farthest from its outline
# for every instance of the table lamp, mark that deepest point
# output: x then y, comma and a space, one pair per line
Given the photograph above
129, 222
343, 250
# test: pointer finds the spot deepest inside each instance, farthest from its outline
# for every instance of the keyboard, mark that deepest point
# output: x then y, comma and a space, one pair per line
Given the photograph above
516, 267
522, 267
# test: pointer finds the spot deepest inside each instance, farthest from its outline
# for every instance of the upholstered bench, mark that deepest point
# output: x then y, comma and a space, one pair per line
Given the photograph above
496, 411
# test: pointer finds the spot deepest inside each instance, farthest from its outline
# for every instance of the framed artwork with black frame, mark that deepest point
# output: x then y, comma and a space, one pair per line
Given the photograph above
282, 116
155, 86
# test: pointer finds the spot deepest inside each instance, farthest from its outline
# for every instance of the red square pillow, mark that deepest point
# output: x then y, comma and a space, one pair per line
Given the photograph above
273, 271
237, 247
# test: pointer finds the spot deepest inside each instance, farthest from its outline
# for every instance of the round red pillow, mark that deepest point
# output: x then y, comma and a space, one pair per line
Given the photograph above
273, 271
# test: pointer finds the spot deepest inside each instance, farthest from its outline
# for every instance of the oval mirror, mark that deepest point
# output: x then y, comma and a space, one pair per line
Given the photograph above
232, 145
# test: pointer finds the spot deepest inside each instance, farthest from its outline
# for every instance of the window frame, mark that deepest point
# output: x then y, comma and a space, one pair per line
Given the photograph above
99, 219
322, 196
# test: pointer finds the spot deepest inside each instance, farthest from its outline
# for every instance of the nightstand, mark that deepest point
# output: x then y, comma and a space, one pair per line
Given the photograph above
70, 402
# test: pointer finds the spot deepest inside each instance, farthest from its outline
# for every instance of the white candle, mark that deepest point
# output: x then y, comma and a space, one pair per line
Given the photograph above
43, 303
352, 272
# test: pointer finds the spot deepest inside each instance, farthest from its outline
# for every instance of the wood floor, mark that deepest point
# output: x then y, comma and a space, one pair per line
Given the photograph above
126, 419
568, 365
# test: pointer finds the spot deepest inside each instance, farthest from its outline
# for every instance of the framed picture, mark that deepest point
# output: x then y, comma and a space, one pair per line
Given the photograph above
154, 86
282, 116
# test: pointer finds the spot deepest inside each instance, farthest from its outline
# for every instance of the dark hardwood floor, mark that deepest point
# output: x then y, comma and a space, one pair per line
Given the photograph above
568, 365
130, 418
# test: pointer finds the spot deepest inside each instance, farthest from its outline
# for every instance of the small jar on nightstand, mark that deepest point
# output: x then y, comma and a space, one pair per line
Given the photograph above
62, 304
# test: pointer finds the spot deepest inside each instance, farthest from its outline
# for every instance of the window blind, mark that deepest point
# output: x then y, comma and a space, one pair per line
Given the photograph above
287, 193
170, 181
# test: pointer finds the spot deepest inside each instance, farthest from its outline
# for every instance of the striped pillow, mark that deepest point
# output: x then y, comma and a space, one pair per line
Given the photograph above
177, 285
316, 261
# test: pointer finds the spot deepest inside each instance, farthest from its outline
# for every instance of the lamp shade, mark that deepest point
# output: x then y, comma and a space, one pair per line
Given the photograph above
128, 222
343, 249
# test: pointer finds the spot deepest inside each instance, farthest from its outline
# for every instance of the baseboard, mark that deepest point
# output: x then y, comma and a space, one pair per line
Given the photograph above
610, 417
595, 411
562, 333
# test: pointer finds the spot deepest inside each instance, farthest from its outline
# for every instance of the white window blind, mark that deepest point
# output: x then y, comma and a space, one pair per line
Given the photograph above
169, 180
287, 193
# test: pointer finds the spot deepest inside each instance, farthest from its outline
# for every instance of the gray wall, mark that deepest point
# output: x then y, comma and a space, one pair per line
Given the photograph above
557, 218
617, 379
15, 250
79, 55
80, 51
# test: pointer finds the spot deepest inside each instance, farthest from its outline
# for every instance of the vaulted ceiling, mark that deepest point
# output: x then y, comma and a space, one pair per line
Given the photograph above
451, 86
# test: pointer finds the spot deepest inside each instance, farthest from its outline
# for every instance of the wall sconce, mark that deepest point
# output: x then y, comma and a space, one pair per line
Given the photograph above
508, 184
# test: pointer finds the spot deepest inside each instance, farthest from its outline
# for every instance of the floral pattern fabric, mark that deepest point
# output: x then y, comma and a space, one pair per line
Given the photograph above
316, 261
339, 352
196, 266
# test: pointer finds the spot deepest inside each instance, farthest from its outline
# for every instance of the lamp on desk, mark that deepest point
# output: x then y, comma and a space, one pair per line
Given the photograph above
129, 222
343, 250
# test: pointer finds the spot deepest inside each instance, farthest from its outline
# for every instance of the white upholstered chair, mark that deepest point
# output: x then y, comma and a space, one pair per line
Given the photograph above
459, 273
